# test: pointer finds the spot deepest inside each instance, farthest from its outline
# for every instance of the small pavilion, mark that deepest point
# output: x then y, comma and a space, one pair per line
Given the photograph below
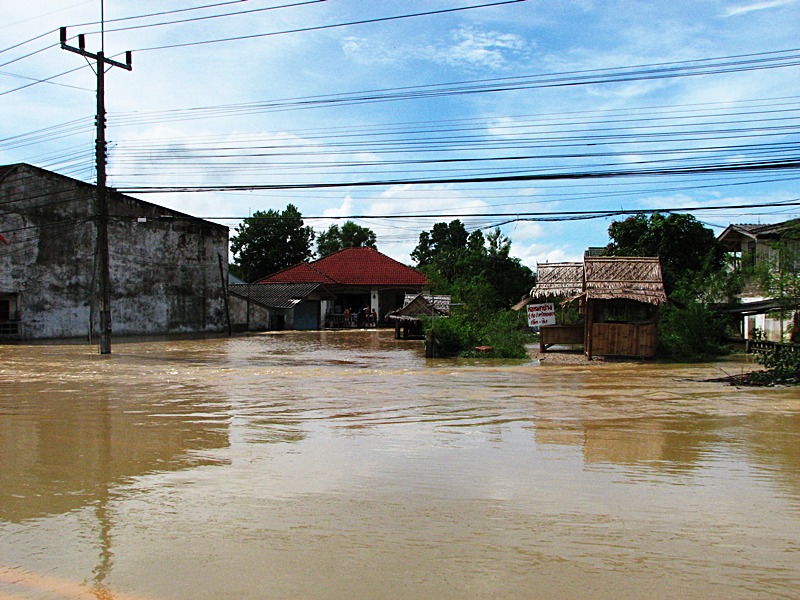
619, 299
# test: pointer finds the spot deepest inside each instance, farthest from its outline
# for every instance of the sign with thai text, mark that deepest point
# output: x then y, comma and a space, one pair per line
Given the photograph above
541, 314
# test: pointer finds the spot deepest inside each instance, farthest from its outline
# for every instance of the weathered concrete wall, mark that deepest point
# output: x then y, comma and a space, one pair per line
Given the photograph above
164, 265
259, 315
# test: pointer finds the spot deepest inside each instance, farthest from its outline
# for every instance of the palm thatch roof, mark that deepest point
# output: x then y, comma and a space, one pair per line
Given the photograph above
557, 279
418, 306
630, 278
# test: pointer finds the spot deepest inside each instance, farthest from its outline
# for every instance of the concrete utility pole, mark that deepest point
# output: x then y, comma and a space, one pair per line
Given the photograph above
102, 194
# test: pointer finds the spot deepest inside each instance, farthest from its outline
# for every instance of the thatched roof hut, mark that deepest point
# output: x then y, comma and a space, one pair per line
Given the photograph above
419, 306
558, 279
408, 320
628, 278
618, 295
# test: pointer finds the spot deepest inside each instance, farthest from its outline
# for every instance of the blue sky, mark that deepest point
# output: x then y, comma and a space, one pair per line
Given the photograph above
160, 137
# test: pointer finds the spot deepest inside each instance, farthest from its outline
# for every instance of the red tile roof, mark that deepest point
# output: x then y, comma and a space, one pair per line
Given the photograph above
300, 273
351, 266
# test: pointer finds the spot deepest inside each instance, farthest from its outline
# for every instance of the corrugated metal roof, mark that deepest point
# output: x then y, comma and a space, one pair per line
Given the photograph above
738, 232
278, 295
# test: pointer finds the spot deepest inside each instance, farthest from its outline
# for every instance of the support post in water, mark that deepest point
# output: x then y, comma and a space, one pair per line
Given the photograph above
102, 193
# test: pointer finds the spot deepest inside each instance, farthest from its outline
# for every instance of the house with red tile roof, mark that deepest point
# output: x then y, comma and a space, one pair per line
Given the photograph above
359, 278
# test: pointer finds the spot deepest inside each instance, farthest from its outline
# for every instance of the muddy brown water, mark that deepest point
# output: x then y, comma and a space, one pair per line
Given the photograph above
346, 465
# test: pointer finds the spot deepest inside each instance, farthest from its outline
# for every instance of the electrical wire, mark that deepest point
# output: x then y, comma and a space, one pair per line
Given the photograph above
526, 216
330, 26
45, 80
17, 76
299, 30
161, 13
217, 16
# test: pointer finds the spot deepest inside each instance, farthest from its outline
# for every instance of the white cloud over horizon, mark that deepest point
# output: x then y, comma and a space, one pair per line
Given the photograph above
424, 135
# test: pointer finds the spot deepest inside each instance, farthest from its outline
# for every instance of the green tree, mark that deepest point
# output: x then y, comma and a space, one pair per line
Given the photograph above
441, 249
270, 241
483, 279
349, 235
695, 275
478, 270
688, 250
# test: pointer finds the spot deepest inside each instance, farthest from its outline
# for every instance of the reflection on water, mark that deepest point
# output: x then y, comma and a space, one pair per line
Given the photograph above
345, 464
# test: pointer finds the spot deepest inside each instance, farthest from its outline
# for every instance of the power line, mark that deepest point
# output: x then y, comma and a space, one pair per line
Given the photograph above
45, 80
182, 10
330, 26
656, 71
460, 143
28, 41
217, 16
121, 19
160, 14
790, 163
66, 85
252, 36
528, 216
34, 53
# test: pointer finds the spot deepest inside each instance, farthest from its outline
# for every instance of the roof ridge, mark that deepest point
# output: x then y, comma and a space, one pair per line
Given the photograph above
297, 265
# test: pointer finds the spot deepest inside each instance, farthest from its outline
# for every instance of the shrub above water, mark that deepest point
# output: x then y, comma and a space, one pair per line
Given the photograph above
459, 335
690, 332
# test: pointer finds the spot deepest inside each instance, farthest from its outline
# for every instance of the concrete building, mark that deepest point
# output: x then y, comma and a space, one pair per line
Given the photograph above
775, 247
164, 265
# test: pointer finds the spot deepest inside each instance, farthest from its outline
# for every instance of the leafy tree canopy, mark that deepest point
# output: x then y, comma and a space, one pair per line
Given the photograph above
476, 269
443, 242
688, 250
270, 241
349, 235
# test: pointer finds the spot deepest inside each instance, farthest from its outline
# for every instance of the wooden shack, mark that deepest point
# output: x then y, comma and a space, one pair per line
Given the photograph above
619, 298
408, 320
621, 301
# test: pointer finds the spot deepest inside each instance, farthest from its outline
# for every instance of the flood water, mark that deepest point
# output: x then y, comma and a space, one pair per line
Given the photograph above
346, 465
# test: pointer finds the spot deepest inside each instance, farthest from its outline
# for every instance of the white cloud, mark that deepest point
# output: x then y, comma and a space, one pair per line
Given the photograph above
481, 44
468, 49
546, 253
526, 230
481, 49
754, 6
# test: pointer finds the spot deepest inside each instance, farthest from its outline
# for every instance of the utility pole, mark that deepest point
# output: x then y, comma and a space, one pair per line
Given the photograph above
102, 192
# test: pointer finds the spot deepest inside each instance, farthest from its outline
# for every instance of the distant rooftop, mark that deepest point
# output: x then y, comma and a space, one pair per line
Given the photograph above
351, 266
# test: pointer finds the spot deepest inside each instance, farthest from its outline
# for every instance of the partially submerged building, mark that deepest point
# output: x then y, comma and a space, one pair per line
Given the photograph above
417, 308
277, 306
350, 281
164, 265
621, 297
618, 298
765, 313
558, 282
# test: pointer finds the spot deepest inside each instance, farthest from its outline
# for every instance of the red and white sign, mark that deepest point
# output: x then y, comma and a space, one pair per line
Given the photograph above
541, 314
